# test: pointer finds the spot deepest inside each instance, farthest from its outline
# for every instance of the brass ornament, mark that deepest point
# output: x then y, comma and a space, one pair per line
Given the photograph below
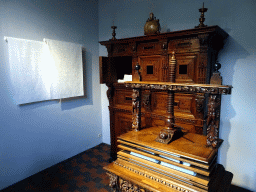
114, 32
202, 19
152, 25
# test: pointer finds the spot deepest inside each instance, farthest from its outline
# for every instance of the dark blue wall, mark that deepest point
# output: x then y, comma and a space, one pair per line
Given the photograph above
36, 136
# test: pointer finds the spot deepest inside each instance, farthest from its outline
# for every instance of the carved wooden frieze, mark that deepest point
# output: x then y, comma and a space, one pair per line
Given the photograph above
127, 186
124, 185
191, 88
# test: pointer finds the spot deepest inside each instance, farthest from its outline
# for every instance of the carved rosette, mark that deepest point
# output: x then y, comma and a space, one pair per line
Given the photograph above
136, 110
213, 118
127, 186
199, 103
113, 181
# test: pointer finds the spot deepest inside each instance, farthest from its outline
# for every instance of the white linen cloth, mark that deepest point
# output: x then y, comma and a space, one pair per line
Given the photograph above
41, 71
27, 72
68, 67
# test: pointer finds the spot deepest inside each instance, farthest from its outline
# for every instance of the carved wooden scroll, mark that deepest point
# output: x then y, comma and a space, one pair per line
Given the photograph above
136, 109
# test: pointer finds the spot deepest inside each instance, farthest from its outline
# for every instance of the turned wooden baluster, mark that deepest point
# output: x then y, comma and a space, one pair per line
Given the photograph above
170, 96
166, 134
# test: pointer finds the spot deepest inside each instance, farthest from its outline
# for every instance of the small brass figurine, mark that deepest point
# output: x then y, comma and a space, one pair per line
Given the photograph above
202, 19
152, 25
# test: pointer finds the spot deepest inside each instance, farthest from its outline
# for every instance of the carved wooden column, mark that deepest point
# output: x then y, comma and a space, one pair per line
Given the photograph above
213, 119
213, 114
136, 109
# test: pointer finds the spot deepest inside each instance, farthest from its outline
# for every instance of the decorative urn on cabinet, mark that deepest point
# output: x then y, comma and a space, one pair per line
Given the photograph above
152, 25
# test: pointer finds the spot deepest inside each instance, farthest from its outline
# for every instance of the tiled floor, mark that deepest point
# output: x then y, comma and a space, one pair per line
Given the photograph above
81, 173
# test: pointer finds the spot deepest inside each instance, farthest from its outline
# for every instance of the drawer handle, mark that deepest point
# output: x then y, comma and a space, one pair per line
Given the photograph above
128, 98
149, 47
121, 50
184, 44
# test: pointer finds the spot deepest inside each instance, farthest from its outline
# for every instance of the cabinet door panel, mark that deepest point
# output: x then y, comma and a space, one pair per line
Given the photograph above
183, 103
123, 123
185, 69
151, 68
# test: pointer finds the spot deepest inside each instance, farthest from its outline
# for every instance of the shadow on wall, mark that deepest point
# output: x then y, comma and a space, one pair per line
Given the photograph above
228, 57
254, 180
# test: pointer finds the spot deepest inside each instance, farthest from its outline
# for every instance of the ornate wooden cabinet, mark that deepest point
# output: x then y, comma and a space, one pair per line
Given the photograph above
146, 58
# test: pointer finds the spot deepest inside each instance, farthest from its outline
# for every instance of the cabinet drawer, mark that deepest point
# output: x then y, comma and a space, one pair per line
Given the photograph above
123, 97
183, 45
149, 48
183, 103
121, 49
